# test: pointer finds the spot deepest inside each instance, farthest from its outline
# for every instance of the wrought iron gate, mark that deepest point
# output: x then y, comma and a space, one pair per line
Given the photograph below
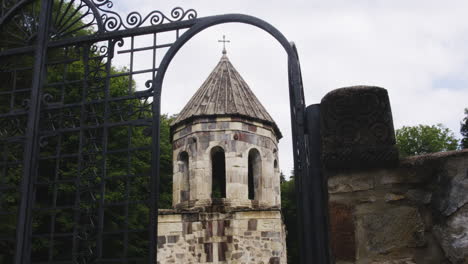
79, 134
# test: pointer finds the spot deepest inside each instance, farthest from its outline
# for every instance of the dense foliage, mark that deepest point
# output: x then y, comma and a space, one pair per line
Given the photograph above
289, 210
464, 130
423, 139
165, 196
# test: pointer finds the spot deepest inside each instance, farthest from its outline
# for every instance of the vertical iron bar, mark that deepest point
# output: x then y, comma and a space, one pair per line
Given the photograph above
296, 97
13, 94
129, 153
315, 192
105, 138
155, 155
23, 232
153, 231
127, 186
130, 76
77, 209
53, 214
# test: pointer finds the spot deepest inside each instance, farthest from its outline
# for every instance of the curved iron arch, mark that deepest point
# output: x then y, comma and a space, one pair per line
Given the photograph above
296, 97
296, 93
207, 22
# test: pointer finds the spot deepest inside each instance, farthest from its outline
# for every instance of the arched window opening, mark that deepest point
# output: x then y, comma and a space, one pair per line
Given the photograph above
185, 176
275, 165
218, 169
254, 173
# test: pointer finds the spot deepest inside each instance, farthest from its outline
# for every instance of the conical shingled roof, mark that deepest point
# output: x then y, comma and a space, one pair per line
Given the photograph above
225, 93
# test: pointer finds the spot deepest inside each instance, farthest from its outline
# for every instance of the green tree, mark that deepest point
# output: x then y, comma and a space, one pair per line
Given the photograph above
464, 130
289, 210
165, 195
423, 139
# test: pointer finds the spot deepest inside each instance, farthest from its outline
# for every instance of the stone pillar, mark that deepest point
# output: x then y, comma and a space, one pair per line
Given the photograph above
357, 128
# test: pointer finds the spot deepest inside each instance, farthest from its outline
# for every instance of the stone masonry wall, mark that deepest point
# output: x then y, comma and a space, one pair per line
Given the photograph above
231, 237
414, 213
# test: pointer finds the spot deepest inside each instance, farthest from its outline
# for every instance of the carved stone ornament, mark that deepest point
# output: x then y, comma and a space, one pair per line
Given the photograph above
357, 128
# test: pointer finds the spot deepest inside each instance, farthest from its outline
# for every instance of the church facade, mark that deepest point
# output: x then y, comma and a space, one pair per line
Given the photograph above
226, 178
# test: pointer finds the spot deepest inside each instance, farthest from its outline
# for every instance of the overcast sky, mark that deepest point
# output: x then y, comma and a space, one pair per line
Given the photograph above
417, 50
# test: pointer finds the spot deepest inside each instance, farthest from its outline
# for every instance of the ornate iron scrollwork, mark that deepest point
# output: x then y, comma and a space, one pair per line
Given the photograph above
112, 21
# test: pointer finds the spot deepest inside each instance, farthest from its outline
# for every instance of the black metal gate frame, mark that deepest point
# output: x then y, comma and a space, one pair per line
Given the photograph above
313, 232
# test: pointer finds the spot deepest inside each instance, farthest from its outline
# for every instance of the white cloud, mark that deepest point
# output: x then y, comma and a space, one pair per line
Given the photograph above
411, 48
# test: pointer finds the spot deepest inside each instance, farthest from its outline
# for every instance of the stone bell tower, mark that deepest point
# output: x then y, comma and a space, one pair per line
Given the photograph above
226, 181
225, 146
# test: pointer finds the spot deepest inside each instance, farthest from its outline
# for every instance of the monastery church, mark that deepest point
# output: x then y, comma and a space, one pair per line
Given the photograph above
226, 178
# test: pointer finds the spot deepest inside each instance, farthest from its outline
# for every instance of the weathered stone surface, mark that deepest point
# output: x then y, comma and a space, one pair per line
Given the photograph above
274, 260
172, 239
224, 237
357, 128
395, 261
209, 252
420, 196
452, 190
342, 231
390, 229
252, 226
416, 213
161, 241
222, 249
392, 197
453, 236
270, 234
349, 182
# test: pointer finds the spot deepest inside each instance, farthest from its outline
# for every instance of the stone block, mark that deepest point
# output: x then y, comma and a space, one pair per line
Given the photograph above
187, 228
357, 128
221, 225
268, 224
270, 234
393, 197
208, 252
388, 229
274, 260
452, 190
350, 182
237, 255
161, 241
453, 236
170, 228
342, 227
395, 261
418, 195
222, 250
252, 225
172, 239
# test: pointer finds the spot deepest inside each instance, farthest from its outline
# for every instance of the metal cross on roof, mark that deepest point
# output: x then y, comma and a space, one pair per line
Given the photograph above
224, 41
